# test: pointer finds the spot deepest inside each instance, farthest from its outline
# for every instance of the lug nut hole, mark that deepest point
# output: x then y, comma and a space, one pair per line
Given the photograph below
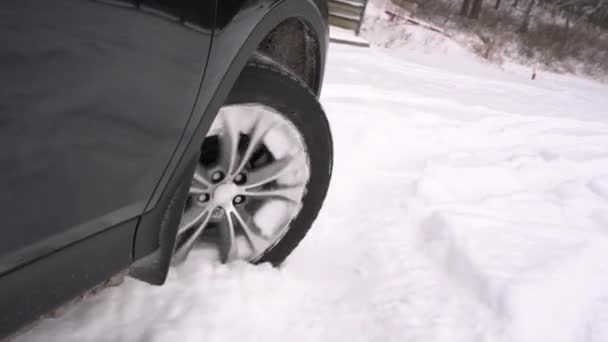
217, 176
238, 200
240, 179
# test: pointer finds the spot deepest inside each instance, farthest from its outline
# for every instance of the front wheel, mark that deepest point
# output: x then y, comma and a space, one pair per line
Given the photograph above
264, 171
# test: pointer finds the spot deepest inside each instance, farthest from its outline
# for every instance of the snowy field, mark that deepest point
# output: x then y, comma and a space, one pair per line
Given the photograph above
468, 204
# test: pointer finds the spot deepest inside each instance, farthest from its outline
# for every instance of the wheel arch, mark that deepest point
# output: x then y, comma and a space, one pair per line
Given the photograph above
292, 45
266, 31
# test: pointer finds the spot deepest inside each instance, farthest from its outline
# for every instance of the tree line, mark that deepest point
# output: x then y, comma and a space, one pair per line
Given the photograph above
574, 11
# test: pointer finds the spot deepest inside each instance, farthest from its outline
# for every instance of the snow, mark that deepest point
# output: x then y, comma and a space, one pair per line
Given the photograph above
341, 35
468, 203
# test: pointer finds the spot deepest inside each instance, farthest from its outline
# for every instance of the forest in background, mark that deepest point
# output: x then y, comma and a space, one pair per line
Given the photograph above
564, 35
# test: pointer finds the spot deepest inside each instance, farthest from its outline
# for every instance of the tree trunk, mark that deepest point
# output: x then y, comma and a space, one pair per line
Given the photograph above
515, 3
464, 10
497, 6
566, 36
476, 9
526, 22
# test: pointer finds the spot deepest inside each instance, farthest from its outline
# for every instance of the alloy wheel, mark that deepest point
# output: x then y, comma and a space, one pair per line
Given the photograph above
248, 186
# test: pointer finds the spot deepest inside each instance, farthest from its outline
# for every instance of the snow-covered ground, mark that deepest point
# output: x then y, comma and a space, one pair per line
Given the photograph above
468, 204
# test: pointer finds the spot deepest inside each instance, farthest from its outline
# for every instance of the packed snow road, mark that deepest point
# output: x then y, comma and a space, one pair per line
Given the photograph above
467, 204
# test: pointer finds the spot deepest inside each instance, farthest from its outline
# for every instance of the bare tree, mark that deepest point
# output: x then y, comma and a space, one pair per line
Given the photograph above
497, 5
567, 24
526, 21
515, 3
464, 10
476, 9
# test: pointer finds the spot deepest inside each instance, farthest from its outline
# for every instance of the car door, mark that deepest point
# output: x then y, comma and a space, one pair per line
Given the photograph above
94, 97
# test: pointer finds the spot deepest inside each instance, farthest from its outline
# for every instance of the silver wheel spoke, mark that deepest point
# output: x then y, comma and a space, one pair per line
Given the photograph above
187, 245
192, 218
257, 241
195, 190
200, 178
229, 144
262, 126
270, 172
227, 243
290, 193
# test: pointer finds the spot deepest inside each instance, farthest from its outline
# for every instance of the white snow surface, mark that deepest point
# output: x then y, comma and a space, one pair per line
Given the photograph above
468, 204
343, 35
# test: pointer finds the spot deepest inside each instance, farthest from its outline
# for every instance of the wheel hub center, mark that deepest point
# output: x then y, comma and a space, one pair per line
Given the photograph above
224, 194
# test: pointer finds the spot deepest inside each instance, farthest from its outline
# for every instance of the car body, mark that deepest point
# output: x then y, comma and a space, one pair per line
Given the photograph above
104, 107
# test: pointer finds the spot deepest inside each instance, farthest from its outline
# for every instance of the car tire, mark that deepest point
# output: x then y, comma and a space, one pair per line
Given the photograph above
263, 82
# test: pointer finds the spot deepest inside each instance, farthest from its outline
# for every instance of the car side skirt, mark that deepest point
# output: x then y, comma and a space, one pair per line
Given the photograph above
29, 292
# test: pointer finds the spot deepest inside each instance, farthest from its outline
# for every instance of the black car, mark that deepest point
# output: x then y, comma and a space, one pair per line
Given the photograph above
132, 131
